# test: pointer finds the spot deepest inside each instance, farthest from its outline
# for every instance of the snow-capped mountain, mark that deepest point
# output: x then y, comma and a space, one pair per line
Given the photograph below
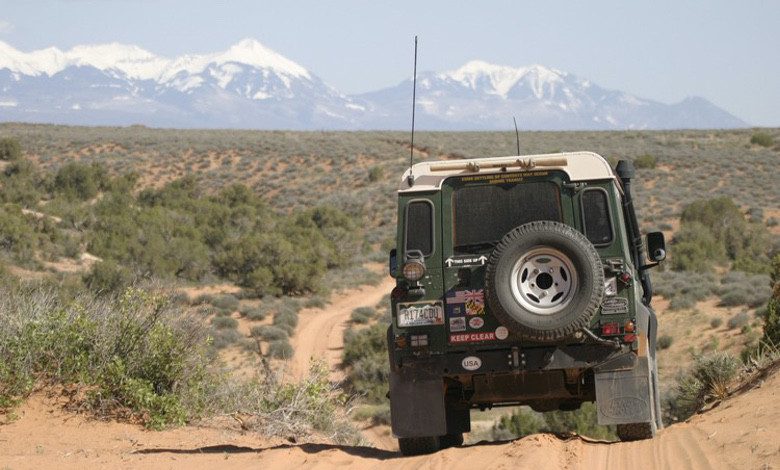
252, 86
487, 96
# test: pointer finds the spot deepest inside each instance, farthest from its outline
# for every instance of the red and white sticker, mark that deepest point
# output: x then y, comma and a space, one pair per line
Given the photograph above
473, 337
476, 323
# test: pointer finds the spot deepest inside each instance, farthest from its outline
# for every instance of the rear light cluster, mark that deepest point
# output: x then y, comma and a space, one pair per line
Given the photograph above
628, 330
419, 340
413, 270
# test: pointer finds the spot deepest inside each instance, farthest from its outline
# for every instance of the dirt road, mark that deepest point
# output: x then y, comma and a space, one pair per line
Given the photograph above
320, 332
740, 433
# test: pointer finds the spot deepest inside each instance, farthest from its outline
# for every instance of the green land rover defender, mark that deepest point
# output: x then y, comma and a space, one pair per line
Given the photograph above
520, 281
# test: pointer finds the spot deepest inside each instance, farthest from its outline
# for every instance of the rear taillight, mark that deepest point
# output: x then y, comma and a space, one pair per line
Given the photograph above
610, 329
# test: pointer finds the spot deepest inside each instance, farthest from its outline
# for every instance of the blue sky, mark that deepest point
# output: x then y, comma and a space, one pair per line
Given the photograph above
725, 51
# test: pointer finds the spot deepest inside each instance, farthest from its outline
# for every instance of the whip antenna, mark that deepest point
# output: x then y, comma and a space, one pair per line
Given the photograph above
410, 178
517, 135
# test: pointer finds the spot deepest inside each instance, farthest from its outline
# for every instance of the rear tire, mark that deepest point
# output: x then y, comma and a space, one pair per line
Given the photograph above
418, 445
635, 431
451, 440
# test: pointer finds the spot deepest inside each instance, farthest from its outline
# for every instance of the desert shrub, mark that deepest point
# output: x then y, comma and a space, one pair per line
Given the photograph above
747, 244
365, 353
10, 149
79, 180
696, 249
772, 313
645, 161
716, 322
738, 321
17, 235
224, 323
664, 342
362, 315
524, 422
224, 337
280, 408
108, 277
280, 349
375, 173
738, 288
709, 379
377, 414
286, 320
268, 333
684, 289
134, 352
225, 301
520, 423
252, 313
762, 138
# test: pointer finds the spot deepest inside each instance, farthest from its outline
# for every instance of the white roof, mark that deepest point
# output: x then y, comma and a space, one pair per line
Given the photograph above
580, 166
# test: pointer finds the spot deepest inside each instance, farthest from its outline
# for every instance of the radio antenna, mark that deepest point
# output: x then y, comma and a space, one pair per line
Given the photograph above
410, 178
517, 136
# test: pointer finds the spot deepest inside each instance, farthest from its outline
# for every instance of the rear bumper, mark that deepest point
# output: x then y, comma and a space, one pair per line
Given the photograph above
516, 359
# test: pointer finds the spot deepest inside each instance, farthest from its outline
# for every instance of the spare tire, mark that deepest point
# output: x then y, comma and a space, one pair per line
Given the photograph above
544, 281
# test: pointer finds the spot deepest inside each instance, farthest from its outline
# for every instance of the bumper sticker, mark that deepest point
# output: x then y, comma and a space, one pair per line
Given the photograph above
472, 337
458, 324
476, 323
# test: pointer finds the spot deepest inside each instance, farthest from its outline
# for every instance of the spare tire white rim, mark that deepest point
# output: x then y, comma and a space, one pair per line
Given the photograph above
544, 281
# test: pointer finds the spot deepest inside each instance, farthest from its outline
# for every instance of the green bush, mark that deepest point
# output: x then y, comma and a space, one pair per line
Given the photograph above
286, 320
80, 181
10, 149
524, 422
772, 312
716, 322
134, 352
108, 277
738, 321
645, 161
362, 315
375, 173
709, 379
365, 355
762, 138
224, 323
268, 333
252, 313
664, 342
226, 302
280, 349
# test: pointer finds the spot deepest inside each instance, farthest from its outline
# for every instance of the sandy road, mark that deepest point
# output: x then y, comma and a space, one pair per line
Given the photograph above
320, 332
740, 433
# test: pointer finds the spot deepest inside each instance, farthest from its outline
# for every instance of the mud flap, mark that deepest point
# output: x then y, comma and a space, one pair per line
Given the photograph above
623, 396
417, 406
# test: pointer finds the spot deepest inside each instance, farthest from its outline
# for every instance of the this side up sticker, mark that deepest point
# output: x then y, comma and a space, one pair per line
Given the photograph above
465, 261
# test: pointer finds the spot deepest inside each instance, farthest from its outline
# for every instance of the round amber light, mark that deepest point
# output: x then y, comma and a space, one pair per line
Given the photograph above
413, 270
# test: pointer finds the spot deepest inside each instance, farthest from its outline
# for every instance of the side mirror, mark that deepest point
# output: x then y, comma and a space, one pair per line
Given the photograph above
393, 262
656, 246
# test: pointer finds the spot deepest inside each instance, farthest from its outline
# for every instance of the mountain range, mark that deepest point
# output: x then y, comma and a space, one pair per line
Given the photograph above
252, 86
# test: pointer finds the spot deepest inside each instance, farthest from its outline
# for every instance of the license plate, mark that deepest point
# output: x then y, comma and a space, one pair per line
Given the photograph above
420, 314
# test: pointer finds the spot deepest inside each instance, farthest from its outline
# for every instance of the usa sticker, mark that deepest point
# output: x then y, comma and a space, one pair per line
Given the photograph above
471, 363
502, 333
458, 324
476, 323
472, 337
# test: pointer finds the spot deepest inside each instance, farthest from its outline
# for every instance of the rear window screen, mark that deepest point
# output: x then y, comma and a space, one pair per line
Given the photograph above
419, 227
484, 214
595, 216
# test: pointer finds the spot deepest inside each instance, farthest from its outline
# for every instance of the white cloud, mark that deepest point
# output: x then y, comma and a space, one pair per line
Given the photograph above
5, 27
